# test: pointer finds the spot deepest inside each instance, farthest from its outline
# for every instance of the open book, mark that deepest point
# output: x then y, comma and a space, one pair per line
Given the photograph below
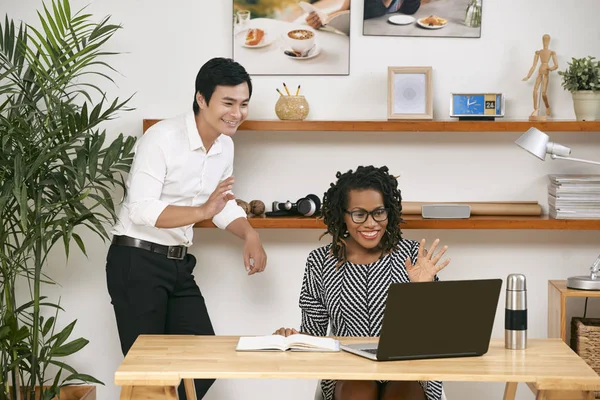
297, 342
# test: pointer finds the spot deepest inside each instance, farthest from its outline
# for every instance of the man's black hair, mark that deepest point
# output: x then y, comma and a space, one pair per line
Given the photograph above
219, 71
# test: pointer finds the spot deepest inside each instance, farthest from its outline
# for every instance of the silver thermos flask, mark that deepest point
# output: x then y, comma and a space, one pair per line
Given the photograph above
515, 317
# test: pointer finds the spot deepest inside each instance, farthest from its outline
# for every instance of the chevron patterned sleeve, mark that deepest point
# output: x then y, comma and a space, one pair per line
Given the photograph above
315, 318
414, 251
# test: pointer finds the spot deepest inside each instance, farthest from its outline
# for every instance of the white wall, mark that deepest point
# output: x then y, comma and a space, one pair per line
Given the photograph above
167, 42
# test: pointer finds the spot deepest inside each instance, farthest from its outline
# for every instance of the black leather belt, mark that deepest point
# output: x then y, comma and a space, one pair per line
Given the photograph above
172, 252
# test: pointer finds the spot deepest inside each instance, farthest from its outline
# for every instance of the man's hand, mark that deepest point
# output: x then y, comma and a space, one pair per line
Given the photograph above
217, 200
313, 20
285, 331
425, 269
255, 258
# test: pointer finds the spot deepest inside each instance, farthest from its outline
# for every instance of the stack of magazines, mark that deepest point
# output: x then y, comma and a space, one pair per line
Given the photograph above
574, 196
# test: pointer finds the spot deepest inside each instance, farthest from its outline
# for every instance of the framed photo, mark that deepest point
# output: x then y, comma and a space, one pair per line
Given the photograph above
410, 93
291, 37
424, 18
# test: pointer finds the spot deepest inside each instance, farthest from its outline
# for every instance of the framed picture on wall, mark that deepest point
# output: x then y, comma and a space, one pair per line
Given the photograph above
430, 18
291, 37
410, 95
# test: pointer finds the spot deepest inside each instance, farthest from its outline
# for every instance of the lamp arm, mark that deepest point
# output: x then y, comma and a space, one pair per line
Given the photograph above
595, 269
554, 157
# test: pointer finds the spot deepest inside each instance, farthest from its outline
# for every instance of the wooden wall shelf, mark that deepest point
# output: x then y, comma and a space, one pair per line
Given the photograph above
412, 126
417, 222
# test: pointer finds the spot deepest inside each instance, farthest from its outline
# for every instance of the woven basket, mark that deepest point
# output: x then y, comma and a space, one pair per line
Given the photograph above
585, 341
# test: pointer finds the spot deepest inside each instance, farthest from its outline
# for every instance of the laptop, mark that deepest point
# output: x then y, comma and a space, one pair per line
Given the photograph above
435, 320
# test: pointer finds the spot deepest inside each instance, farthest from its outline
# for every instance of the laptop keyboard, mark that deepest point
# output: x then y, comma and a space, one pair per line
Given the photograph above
372, 351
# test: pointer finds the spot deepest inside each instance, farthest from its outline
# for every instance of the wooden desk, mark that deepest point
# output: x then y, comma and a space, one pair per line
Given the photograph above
548, 366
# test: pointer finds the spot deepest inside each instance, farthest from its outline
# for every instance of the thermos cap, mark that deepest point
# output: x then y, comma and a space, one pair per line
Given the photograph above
515, 282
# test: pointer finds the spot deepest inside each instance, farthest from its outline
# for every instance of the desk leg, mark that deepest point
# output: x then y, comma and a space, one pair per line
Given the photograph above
510, 390
190, 389
126, 393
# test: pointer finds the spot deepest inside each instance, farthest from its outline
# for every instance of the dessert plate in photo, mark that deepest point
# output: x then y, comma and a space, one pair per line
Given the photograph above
401, 19
432, 22
254, 38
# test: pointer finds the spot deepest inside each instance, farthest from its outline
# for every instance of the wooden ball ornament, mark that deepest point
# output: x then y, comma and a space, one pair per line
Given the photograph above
245, 206
257, 208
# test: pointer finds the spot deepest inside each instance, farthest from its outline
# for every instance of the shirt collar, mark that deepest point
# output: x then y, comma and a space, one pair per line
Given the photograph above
194, 136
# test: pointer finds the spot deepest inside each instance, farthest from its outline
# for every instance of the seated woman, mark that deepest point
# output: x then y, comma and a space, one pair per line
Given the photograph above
345, 282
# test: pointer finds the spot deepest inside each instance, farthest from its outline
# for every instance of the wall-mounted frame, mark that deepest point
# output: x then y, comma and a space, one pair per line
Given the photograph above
273, 38
426, 18
410, 93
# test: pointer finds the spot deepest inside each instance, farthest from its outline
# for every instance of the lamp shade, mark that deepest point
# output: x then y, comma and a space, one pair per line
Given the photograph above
535, 142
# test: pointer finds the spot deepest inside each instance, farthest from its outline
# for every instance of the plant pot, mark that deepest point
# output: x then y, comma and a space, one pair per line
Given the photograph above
587, 105
75, 392
293, 108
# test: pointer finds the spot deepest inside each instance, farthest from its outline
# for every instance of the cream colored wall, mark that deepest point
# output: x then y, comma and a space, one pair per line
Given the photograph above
167, 42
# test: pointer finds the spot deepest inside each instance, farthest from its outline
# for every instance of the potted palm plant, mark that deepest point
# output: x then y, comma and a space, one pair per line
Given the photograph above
582, 79
58, 172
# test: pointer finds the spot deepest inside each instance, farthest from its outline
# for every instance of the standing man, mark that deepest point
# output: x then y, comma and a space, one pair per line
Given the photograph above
181, 175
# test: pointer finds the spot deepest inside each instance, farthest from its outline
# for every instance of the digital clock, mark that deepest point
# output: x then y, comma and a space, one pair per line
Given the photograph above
477, 106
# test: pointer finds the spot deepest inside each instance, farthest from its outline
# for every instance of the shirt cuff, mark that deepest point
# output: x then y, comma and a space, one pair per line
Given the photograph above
146, 212
228, 214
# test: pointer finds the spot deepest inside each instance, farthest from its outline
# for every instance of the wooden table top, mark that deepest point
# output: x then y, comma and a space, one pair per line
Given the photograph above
164, 360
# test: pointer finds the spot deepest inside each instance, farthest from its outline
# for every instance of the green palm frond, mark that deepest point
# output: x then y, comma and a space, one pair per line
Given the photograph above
58, 171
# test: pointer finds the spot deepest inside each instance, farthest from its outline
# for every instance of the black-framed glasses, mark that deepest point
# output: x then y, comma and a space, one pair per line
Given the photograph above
360, 216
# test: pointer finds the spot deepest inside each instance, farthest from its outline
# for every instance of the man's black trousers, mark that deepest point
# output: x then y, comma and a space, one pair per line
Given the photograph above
152, 294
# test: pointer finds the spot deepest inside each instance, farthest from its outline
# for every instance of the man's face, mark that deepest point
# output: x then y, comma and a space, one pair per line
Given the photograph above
227, 109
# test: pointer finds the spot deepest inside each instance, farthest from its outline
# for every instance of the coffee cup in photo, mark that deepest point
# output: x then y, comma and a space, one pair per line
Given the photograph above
300, 39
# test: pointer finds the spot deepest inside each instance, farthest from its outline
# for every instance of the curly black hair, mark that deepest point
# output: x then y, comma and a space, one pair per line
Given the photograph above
335, 202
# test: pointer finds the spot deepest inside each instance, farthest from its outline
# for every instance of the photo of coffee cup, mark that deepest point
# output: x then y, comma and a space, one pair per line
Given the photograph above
300, 39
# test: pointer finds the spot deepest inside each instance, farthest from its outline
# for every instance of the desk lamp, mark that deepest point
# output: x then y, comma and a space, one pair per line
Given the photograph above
538, 143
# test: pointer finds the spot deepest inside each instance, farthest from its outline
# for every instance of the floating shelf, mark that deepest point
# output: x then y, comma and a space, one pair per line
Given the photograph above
412, 126
417, 222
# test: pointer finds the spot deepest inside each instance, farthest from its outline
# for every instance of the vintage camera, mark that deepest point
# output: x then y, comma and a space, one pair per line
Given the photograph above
306, 206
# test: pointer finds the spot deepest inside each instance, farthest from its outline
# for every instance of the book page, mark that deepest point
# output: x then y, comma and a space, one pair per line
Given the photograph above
308, 8
269, 342
339, 22
312, 343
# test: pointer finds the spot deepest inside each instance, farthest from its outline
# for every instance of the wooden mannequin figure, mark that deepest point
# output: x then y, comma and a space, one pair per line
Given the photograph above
544, 56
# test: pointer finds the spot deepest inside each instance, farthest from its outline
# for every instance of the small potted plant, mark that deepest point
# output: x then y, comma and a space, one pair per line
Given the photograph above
582, 79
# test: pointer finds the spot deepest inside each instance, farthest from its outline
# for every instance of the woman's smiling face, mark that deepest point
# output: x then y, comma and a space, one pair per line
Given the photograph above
366, 207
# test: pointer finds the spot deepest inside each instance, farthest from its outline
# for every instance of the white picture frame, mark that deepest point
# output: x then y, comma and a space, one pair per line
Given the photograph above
410, 93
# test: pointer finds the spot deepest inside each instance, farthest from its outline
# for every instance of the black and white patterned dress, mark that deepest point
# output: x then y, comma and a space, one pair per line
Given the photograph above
352, 298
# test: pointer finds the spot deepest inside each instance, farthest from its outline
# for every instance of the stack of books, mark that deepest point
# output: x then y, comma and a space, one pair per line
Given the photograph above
574, 196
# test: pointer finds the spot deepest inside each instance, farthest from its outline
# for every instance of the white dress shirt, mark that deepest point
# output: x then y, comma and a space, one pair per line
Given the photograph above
171, 167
